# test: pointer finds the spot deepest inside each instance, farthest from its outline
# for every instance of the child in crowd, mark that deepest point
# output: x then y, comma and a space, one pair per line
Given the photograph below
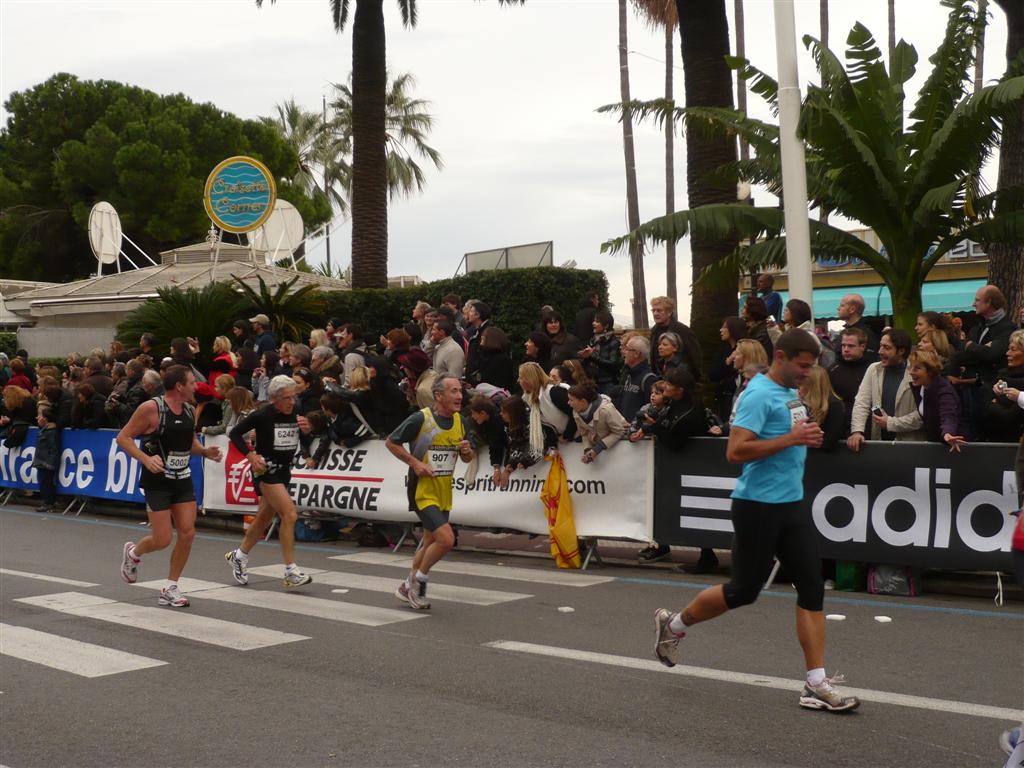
46, 458
319, 427
648, 414
597, 420
238, 403
519, 454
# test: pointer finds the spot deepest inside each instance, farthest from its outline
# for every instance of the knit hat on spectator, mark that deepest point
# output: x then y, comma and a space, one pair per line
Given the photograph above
416, 360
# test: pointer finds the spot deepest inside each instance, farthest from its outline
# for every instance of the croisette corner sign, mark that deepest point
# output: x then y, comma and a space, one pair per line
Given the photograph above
239, 194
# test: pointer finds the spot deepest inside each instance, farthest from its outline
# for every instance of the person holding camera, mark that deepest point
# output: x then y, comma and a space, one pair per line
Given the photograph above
885, 402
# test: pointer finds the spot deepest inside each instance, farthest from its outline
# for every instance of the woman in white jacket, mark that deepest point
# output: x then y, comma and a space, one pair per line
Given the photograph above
550, 414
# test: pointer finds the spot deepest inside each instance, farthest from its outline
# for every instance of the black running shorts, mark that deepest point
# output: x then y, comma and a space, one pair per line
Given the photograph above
161, 496
280, 476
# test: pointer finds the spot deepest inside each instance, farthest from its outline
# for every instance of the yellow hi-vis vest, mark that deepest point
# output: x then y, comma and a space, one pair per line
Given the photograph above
439, 449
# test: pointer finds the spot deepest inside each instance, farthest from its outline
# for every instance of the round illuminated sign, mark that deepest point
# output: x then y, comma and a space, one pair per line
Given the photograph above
239, 194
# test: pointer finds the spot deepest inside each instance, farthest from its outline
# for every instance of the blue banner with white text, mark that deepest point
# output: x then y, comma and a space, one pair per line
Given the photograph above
91, 464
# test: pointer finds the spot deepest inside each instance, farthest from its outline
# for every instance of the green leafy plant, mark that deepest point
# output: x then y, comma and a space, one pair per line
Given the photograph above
292, 313
918, 186
203, 313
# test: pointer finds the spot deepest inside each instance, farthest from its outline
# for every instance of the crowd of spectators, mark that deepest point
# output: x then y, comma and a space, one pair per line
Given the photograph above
579, 380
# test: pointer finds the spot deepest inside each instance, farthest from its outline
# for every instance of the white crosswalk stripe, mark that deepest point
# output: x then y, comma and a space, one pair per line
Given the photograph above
45, 577
67, 655
442, 592
316, 607
168, 621
533, 575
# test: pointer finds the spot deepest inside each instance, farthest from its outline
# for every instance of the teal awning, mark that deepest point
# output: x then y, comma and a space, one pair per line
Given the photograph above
937, 296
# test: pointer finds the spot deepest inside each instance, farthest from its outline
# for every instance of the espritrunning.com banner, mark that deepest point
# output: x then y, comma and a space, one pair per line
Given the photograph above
903, 503
612, 498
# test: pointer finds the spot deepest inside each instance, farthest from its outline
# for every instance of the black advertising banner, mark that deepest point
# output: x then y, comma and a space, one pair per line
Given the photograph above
901, 503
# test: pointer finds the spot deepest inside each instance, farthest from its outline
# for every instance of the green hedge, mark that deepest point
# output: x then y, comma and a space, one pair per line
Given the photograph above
8, 343
514, 295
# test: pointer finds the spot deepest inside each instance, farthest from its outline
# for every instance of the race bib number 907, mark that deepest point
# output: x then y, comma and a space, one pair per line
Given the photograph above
442, 460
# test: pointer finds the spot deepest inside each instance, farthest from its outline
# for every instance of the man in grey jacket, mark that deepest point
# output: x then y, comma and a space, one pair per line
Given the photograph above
885, 401
448, 357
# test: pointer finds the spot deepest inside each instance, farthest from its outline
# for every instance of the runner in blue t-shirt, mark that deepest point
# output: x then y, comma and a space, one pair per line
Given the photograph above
769, 436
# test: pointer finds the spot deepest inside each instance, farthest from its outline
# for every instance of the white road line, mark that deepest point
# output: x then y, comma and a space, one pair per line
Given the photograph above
443, 592
762, 681
67, 655
167, 621
316, 607
44, 577
533, 575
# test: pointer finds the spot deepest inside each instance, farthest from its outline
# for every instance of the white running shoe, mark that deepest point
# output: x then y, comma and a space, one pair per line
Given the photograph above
417, 595
826, 697
666, 643
172, 596
129, 564
296, 578
239, 567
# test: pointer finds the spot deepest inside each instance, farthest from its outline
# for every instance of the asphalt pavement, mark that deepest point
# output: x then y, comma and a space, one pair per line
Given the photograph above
516, 664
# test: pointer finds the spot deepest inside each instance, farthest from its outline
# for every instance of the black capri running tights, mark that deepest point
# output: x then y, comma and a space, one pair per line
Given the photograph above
763, 532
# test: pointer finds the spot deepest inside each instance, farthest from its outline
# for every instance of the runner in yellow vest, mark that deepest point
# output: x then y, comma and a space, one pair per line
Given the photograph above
436, 440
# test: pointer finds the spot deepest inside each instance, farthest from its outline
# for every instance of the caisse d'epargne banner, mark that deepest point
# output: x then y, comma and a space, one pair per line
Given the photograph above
903, 503
91, 465
611, 498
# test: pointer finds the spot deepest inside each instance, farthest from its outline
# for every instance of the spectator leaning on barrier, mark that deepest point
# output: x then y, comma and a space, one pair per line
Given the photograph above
449, 359
634, 390
937, 401
851, 312
885, 400
663, 309
847, 372
1004, 422
550, 414
682, 419
824, 407
487, 426
597, 422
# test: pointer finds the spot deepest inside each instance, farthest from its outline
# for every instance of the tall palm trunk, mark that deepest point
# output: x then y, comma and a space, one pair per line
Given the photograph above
823, 21
670, 162
979, 49
741, 82
708, 83
369, 154
636, 251
1006, 263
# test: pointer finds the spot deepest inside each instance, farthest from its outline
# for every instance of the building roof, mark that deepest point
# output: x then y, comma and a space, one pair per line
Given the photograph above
188, 267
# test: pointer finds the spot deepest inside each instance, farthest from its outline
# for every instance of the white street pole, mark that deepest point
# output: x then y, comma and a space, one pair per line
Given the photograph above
794, 171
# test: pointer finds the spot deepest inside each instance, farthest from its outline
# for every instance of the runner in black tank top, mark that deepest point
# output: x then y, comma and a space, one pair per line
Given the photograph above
167, 428
276, 427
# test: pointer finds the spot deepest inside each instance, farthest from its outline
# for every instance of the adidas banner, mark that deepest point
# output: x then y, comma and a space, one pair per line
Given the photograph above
910, 504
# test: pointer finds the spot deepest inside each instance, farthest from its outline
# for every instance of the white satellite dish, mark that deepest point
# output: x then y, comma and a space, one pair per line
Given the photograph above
105, 232
281, 234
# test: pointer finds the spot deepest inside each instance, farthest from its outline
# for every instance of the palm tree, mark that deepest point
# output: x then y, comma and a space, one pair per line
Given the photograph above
916, 186
407, 126
1005, 259
707, 81
292, 313
202, 313
305, 133
662, 13
892, 31
636, 250
369, 133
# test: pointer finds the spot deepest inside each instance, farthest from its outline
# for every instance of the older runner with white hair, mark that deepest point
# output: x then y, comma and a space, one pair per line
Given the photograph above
276, 427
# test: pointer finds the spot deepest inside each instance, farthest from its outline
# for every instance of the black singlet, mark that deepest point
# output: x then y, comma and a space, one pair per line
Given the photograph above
172, 442
277, 436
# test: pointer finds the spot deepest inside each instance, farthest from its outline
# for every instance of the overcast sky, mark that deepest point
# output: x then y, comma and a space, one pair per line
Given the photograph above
513, 91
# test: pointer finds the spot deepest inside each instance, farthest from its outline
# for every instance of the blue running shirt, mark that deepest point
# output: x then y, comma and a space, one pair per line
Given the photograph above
768, 410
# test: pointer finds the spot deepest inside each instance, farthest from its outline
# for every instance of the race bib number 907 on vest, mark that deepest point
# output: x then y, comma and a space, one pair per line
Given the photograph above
442, 460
